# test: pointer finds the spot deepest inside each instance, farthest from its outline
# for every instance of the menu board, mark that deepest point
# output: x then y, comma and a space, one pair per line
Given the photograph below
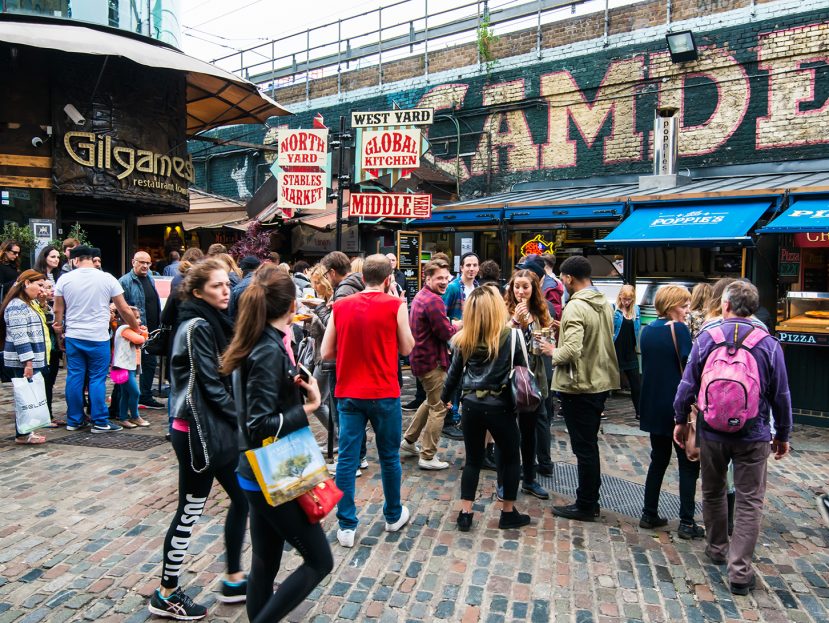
408, 260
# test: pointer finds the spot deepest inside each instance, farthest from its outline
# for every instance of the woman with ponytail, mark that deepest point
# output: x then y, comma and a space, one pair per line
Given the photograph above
201, 400
267, 388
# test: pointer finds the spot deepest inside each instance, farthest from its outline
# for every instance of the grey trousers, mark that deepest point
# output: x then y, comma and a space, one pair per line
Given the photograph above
749, 460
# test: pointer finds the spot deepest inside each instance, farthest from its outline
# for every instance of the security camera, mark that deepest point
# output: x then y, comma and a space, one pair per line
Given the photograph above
74, 114
37, 141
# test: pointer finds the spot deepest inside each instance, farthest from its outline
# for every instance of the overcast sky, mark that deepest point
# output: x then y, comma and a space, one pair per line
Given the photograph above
215, 28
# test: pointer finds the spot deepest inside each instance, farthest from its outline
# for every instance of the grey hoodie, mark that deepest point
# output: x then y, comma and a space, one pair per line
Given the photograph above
585, 358
352, 284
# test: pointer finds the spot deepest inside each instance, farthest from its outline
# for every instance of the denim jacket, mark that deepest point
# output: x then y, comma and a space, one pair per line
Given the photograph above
134, 293
618, 317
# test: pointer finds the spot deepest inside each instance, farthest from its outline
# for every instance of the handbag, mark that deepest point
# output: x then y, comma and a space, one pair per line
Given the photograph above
526, 395
158, 341
216, 437
305, 352
289, 467
320, 500
690, 442
119, 376
31, 410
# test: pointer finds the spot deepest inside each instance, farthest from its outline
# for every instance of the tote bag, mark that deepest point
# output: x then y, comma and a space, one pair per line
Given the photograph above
31, 409
525, 392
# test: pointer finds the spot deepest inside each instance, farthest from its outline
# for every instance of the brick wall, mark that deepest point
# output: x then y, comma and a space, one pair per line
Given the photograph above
757, 93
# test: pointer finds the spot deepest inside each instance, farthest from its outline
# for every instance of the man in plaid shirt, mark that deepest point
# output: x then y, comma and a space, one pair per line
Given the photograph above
429, 360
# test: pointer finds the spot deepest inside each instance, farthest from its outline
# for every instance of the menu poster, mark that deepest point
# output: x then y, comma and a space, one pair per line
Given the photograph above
408, 260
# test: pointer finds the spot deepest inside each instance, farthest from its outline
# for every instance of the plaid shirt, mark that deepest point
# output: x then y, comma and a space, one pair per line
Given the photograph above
431, 330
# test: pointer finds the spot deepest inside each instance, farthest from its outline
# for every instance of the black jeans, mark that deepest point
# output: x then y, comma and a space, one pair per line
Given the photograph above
50, 375
661, 447
149, 363
635, 382
583, 416
193, 491
527, 425
476, 420
270, 528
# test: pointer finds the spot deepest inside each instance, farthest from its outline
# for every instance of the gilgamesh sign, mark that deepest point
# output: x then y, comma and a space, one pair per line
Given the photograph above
390, 205
390, 149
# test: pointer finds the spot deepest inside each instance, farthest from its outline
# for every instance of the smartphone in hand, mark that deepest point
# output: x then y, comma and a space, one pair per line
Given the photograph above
304, 373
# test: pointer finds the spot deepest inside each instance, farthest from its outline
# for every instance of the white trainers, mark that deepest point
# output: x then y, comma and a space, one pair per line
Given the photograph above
346, 537
358, 473
409, 449
404, 519
434, 463
364, 463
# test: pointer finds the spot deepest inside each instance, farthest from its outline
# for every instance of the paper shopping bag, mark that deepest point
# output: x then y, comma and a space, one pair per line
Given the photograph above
30, 407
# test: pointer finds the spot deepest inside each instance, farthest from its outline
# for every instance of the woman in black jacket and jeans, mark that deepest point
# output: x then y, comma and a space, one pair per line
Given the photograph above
481, 366
268, 397
200, 391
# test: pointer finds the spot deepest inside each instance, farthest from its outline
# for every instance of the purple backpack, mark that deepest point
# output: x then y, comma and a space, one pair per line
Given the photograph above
729, 394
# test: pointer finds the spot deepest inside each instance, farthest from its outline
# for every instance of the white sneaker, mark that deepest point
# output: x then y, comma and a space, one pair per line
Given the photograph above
404, 519
358, 474
433, 464
346, 537
363, 463
409, 449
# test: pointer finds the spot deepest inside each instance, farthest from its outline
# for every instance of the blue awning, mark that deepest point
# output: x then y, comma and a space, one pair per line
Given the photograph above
555, 214
688, 224
461, 217
804, 215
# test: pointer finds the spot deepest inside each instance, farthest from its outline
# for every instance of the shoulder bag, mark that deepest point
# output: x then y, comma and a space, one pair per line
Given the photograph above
525, 393
691, 445
215, 441
158, 341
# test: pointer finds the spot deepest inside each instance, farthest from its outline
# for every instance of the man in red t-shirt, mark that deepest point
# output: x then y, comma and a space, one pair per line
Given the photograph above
367, 333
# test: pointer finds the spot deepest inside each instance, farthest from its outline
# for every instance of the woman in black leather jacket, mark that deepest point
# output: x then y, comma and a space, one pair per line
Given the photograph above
481, 365
269, 401
198, 386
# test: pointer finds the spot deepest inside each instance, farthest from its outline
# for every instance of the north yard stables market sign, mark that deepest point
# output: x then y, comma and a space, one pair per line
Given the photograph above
302, 169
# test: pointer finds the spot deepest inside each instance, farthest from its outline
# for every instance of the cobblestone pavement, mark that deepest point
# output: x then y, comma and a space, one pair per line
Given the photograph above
82, 528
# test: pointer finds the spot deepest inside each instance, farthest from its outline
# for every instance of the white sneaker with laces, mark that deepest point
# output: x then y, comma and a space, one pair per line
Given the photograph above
409, 449
363, 463
346, 537
404, 519
432, 464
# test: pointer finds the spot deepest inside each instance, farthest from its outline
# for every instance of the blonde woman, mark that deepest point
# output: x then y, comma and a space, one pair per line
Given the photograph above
481, 367
700, 298
626, 326
357, 265
666, 344
233, 270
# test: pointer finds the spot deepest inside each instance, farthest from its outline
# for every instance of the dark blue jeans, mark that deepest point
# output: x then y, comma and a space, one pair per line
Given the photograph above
386, 420
86, 357
661, 448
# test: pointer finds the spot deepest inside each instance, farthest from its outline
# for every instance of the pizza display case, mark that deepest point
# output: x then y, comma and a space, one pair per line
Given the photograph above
804, 334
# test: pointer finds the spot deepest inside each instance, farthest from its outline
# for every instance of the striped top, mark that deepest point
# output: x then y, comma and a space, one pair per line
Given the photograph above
25, 339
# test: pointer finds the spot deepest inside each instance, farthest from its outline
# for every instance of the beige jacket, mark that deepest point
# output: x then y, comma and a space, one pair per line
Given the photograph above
585, 359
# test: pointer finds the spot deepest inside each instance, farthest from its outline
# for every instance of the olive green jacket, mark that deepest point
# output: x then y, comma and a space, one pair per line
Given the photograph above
585, 358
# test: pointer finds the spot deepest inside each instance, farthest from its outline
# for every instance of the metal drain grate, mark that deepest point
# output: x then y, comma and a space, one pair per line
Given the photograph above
618, 495
111, 441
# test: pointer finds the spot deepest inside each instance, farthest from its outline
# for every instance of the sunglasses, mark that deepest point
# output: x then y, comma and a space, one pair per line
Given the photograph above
14, 252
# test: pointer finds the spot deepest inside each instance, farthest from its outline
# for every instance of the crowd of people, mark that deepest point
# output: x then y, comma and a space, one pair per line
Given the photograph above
237, 335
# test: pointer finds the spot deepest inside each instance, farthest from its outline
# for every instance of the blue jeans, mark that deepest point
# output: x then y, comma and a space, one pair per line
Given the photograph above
86, 357
386, 420
128, 398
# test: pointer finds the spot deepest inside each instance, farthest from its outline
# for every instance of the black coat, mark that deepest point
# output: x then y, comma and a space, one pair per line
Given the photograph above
661, 374
265, 394
479, 372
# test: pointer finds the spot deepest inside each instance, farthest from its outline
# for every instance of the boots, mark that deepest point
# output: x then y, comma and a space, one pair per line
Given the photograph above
731, 499
489, 458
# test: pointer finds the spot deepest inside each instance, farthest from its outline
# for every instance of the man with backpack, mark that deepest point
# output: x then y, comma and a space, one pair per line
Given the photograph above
736, 374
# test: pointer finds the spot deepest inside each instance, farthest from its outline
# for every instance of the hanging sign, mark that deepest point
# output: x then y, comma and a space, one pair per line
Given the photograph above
536, 246
390, 205
382, 118
390, 149
302, 147
812, 239
302, 169
388, 143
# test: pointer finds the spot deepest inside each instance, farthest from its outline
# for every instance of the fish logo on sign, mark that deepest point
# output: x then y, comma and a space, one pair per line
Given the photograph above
536, 246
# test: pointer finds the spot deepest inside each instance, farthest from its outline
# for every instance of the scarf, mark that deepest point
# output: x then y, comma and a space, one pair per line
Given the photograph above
220, 322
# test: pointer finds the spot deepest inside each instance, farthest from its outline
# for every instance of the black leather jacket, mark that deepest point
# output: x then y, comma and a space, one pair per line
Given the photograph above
481, 373
264, 389
211, 392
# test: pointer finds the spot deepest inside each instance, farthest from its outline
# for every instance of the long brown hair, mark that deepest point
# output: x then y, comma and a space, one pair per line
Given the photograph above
5, 247
484, 318
17, 291
198, 276
269, 296
714, 309
536, 305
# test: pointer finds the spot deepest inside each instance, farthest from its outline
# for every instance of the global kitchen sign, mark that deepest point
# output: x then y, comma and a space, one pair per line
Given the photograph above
391, 205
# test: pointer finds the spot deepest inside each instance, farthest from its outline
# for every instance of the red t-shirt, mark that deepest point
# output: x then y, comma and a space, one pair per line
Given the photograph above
367, 354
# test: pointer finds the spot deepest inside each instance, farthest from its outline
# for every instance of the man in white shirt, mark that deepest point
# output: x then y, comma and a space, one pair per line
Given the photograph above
82, 297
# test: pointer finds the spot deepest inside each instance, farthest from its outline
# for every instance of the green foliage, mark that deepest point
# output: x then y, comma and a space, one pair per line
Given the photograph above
292, 467
486, 42
78, 234
22, 234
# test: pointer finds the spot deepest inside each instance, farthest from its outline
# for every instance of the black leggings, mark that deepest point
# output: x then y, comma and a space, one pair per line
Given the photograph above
635, 382
500, 422
193, 491
270, 527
